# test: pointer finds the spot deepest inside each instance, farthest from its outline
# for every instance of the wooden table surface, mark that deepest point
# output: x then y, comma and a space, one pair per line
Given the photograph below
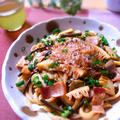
86, 4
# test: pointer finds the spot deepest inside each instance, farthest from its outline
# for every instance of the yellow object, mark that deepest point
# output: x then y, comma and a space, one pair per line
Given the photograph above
117, 63
12, 15
66, 31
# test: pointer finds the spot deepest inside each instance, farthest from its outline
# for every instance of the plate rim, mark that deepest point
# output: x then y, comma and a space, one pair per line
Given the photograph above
4, 88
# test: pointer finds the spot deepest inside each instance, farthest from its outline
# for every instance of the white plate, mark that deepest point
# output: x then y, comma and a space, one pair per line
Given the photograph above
9, 72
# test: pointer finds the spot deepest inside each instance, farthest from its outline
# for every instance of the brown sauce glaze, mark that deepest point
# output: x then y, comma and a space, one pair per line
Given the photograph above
29, 39
100, 27
10, 68
51, 26
29, 112
15, 54
118, 42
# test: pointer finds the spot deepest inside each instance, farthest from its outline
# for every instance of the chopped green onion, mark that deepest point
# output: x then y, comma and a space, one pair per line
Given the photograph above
93, 82
54, 64
97, 62
87, 34
47, 42
86, 103
103, 40
31, 67
20, 83
101, 36
111, 76
29, 57
91, 57
65, 107
36, 81
106, 86
83, 38
54, 113
104, 61
114, 48
117, 55
38, 40
50, 82
61, 40
64, 50
45, 77
35, 61
65, 113
86, 30
55, 31
45, 36
104, 71
50, 42
46, 82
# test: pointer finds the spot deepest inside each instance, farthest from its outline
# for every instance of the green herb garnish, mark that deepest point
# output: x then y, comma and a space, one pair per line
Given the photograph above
103, 40
86, 103
45, 36
106, 86
54, 64
35, 61
20, 83
87, 34
31, 67
45, 77
55, 31
83, 38
61, 40
47, 81
38, 40
97, 62
86, 30
47, 42
111, 76
67, 108
29, 57
64, 50
105, 61
104, 71
65, 113
92, 82
114, 48
36, 81
91, 57
54, 113
117, 55
50, 82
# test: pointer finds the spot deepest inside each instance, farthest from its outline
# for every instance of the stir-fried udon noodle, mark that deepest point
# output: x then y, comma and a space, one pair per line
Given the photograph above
73, 74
